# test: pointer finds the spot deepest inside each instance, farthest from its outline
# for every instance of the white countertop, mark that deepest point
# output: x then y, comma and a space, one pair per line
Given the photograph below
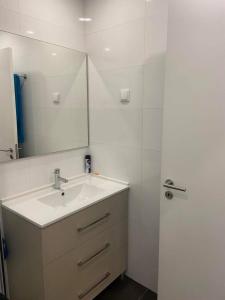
40, 206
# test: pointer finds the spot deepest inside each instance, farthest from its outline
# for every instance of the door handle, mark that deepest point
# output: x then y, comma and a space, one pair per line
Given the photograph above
10, 150
169, 184
7, 150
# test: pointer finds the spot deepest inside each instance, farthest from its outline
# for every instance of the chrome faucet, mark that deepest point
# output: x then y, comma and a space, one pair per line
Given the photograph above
58, 179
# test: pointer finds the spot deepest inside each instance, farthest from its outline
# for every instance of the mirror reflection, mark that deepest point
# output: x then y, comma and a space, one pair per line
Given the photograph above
43, 98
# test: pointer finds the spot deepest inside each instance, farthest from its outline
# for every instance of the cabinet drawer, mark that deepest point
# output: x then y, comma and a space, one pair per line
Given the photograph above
57, 239
103, 254
64, 279
60, 278
101, 244
65, 235
101, 216
94, 278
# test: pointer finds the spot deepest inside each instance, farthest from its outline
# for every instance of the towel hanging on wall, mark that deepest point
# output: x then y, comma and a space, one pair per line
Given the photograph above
19, 109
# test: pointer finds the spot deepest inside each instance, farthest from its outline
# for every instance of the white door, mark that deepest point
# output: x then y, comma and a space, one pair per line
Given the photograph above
8, 128
192, 226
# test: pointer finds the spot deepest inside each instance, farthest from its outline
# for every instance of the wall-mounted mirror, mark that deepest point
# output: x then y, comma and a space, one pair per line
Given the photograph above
43, 98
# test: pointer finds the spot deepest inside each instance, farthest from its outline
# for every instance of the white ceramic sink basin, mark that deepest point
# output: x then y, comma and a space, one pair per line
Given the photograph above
80, 192
45, 205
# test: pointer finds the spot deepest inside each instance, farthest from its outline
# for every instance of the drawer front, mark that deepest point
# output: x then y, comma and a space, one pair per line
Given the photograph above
97, 276
68, 234
101, 244
85, 272
104, 254
63, 279
93, 220
101, 216
60, 278
58, 239
98, 284
118, 205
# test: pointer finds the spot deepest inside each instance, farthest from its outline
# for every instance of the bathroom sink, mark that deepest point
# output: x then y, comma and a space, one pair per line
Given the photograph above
45, 205
80, 192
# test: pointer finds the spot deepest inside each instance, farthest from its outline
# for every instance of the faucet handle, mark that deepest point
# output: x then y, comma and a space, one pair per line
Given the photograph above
57, 171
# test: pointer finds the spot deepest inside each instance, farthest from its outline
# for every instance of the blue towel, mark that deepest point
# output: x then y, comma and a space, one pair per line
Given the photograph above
19, 109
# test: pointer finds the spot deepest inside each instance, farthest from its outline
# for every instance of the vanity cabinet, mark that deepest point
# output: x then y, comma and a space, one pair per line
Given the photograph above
72, 259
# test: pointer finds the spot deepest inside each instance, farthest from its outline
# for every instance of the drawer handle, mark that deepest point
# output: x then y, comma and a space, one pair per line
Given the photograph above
85, 293
87, 260
80, 229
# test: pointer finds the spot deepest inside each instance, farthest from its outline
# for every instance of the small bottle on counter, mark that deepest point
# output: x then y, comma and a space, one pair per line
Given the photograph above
87, 164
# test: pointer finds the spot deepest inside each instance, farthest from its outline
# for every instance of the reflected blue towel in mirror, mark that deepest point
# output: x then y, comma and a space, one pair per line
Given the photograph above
19, 109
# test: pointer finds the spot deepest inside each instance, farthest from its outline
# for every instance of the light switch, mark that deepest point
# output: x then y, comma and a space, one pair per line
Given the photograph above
56, 97
125, 95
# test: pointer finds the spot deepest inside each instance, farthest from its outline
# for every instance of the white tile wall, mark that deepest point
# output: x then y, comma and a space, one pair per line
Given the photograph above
126, 44
21, 175
106, 84
10, 4
54, 21
126, 138
105, 13
153, 78
152, 124
58, 12
9, 20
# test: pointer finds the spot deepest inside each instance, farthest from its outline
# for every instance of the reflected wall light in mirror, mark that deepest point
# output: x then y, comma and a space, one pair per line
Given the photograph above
43, 101
85, 19
31, 32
